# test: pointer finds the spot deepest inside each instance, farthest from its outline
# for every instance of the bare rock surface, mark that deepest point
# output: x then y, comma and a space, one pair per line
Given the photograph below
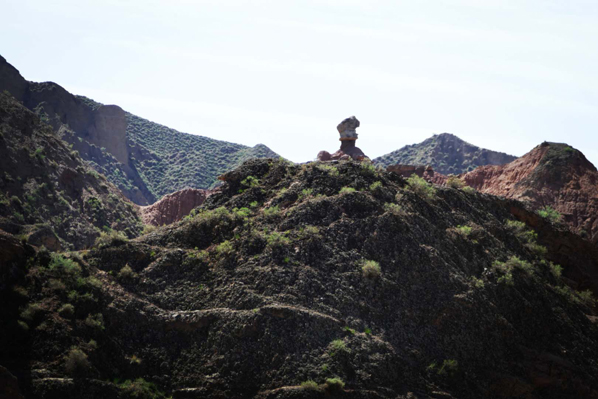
173, 207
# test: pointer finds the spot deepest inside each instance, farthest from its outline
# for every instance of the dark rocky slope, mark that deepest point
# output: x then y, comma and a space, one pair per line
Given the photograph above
48, 194
552, 174
144, 159
274, 282
446, 154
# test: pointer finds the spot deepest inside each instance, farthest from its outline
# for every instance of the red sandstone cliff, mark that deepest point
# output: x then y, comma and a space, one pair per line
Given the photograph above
551, 174
173, 207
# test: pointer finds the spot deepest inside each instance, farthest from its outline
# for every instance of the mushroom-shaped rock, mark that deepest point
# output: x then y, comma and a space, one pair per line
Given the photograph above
347, 129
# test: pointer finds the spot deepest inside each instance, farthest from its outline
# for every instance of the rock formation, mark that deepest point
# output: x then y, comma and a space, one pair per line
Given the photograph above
348, 150
552, 174
173, 207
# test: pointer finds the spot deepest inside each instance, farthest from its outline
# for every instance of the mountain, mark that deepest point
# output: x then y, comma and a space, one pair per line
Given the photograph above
552, 174
446, 154
48, 194
142, 158
311, 281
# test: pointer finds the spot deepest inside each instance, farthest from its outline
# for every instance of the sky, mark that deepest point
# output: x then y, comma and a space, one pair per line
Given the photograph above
504, 75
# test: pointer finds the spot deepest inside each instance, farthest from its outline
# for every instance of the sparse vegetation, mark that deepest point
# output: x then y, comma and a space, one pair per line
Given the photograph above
371, 269
550, 214
310, 385
346, 190
455, 182
421, 187
334, 385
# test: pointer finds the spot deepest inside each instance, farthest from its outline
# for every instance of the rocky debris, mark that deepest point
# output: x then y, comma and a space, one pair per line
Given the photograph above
446, 153
552, 174
348, 136
173, 207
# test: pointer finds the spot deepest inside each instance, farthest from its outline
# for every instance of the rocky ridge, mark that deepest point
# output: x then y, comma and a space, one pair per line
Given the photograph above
48, 194
552, 174
446, 154
143, 159
320, 280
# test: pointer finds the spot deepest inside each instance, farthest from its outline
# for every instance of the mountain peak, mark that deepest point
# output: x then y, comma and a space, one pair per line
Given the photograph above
446, 153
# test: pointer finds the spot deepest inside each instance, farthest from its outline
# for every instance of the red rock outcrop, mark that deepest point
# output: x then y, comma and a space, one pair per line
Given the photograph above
552, 174
173, 207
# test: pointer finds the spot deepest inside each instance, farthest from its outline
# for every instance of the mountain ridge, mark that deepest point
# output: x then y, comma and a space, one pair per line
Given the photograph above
144, 159
446, 153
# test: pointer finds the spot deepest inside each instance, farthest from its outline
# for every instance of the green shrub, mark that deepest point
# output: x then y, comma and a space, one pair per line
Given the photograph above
276, 239
334, 385
141, 389
67, 311
449, 367
76, 363
148, 228
338, 346
111, 238
250, 181
95, 322
465, 231
126, 274
346, 190
556, 270
32, 312
371, 269
394, 209
331, 170
550, 214
310, 385
477, 282
454, 182
225, 249
60, 264
421, 187
376, 186
271, 212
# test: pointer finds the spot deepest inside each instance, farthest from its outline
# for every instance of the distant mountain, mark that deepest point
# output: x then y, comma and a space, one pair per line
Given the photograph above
144, 159
446, 153
552, 174
48, 194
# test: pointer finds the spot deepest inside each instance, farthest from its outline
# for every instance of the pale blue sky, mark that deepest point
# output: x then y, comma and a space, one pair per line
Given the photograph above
505, 75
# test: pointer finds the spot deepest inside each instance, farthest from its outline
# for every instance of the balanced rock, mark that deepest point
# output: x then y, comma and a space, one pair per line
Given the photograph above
348, 136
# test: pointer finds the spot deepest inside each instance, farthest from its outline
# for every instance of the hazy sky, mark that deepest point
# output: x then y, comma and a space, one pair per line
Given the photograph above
504, 75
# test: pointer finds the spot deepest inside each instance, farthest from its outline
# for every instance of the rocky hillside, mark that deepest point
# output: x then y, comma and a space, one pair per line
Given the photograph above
446, 154
144, 159
552, 174
48, 194
311, 281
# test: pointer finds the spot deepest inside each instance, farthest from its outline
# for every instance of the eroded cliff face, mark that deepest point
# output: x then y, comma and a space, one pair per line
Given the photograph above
552, 174
291, 273
173, 207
